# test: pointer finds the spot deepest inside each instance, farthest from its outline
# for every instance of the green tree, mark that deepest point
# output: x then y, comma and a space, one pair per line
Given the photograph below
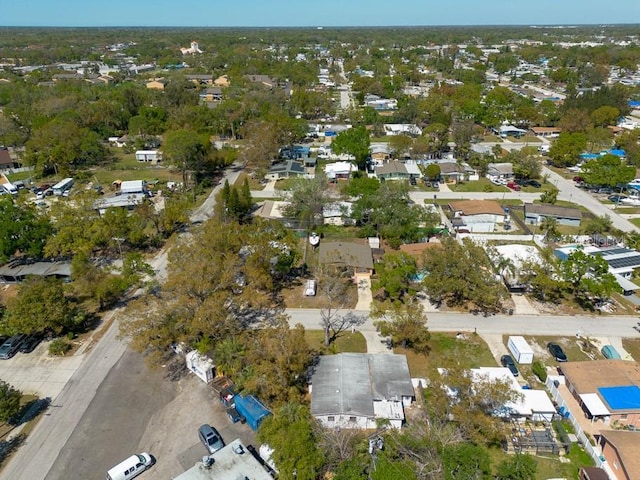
465, 461
605, 116
432, 171
525, 165
598, 225
400, 145
549, 196
567, 148
41, 305
188, 151
549, 226
461, 275
588, 275
406, 325
354, 141
395, 273
609, 170
518, 467
290, 433
22, 229
9, 401
305, 200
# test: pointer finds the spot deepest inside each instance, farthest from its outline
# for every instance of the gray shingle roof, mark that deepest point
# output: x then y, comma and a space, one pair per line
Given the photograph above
348, 383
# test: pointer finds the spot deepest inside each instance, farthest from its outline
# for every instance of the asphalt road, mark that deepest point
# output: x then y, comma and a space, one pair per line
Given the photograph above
112, 426
560, 325
48, 439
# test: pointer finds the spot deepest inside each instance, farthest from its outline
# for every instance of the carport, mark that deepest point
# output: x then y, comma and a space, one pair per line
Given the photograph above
595, 406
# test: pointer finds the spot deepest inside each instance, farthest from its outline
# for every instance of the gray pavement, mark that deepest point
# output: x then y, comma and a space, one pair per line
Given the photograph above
569, 192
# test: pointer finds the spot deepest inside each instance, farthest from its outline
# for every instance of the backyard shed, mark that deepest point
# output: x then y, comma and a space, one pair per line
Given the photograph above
520, 349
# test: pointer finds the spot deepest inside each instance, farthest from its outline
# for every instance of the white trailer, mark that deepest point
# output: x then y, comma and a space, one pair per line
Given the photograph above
520, 350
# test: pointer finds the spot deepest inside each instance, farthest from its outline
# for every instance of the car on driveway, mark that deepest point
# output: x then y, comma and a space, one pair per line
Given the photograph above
210, 438
616, 198
507, 361
513, 186
235, 416
10, 347
532, 183
30, 343
556, 352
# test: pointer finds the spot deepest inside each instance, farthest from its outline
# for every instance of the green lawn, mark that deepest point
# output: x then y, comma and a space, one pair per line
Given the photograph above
635, 221
481, 185
347, 342
444, 347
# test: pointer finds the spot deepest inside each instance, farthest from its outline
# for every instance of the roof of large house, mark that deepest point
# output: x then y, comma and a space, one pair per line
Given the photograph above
349, 383
5, 158
476, 207
587, 377
391, 167
545, 129
504, 168
626, 444
552, 211
346, 253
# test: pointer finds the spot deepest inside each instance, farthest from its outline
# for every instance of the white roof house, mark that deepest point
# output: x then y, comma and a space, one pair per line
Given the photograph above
234, 461
339, 169
353, 390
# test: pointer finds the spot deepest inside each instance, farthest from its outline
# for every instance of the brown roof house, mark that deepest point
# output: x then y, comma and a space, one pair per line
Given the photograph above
351, 256
477, 216
608, 390
621, 449
534, 214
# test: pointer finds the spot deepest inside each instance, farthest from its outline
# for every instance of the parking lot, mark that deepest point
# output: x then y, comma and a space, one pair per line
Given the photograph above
140, 409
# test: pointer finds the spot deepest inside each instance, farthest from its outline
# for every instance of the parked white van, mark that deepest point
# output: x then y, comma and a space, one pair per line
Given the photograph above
310, 288
131, 467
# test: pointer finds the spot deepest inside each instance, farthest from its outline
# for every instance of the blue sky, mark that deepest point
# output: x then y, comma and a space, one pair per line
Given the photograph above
203, 13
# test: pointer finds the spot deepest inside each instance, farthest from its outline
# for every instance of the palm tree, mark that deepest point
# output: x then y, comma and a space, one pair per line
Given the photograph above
549, 226
229, 354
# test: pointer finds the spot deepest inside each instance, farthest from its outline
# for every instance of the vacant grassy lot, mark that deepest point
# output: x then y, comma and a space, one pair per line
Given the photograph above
481, 185
347, 342
632, 345
470, 352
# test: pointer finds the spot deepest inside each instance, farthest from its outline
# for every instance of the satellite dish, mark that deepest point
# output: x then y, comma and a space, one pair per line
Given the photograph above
314, 239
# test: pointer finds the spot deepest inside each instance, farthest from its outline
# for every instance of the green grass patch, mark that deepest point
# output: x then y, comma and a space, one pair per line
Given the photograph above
549, 466
635, 221
628, 210
469, 352
481, 185
632, 345
253, 183
568, 344
526, 139
347, 342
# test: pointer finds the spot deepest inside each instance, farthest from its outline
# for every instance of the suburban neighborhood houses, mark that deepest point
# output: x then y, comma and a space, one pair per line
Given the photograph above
318, 253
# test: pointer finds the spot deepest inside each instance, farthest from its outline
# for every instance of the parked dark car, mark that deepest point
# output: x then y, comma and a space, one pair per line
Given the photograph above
556, 352
507, 361
616, 198
210, 438
533, 183
10, 347
605, 191
235, 416
30, 343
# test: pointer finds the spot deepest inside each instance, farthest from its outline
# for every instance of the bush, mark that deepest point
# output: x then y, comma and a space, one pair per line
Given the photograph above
59, 347
539, 370
9, 401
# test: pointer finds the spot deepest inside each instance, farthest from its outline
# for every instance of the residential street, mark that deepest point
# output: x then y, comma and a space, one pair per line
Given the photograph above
49, 438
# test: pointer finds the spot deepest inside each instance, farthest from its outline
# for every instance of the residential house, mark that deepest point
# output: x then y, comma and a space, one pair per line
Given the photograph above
200, 79
607, 390
396, 170
455, 172
6, 162
233, 461
621, 451
356, 257
16, 271
380, 152
128, 201
264, 80
378, 103
222, 81
547, 132
338, 213
505, 131
477, 216
534, 214
354, 390
510, 259
502, 171
67, 76
622, 262
211, 94
339, 170
392, 129
152, 156
289, 168
156, 84
592, 473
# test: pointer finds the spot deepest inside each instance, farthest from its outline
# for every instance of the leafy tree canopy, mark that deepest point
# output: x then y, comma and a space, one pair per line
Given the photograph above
21, 229
609, 170
354, 141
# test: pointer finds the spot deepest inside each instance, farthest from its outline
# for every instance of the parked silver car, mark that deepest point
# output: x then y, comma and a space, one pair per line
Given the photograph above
210, 438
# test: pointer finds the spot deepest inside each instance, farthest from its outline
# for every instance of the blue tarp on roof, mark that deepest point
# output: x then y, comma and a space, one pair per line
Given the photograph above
618, 152
621, 398
588, 156
634, 103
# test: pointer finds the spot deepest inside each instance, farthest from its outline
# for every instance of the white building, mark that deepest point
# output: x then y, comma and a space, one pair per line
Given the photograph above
353, 390
153, 156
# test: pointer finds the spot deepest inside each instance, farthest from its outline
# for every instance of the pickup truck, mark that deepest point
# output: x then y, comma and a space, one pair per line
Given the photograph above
225, 390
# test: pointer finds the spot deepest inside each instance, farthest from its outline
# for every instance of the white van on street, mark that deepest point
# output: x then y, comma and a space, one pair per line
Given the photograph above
131, 467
